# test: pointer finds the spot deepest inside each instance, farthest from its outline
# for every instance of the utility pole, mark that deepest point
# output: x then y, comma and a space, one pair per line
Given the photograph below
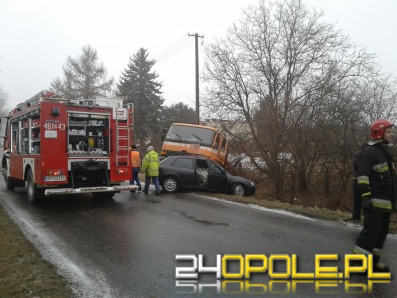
196, 36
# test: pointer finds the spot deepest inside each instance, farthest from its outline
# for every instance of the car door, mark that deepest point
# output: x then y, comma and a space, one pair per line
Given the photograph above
217, 179
201, 173
183, 168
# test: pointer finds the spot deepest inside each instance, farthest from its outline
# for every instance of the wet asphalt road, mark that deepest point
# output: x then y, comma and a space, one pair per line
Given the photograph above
126, 247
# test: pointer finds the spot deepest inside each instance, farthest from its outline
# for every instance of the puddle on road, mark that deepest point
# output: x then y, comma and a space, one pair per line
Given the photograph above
203, 221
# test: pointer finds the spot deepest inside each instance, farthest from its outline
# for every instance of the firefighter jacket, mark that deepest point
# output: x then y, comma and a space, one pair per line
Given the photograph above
135, 159
377, 178
151, 164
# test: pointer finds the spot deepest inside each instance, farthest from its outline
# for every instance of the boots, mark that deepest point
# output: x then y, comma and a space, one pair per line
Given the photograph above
378, 266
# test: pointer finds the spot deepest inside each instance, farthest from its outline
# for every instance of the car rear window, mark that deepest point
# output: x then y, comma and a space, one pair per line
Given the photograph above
183, 163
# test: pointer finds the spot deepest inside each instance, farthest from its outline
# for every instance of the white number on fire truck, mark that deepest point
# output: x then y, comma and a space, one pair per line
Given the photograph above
59, 126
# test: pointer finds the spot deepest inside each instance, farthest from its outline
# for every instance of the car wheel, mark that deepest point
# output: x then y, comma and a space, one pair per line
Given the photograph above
170, 184
238, 189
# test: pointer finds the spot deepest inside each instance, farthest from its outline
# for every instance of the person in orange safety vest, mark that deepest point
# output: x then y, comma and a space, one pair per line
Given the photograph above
135, 159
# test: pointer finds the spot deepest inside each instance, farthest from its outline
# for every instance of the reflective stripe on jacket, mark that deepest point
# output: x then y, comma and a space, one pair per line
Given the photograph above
151, 164
376, 177
135, 159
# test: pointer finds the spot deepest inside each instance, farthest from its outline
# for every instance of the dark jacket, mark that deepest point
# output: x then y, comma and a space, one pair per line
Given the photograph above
376, 177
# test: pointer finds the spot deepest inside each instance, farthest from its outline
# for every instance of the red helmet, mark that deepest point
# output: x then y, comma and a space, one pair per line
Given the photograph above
378, 128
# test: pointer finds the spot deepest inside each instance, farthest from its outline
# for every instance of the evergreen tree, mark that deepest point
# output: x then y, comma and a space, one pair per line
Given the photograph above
84, 77
139, 86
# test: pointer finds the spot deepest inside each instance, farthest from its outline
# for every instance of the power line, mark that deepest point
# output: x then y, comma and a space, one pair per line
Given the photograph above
175, 51
171, 50
181, 39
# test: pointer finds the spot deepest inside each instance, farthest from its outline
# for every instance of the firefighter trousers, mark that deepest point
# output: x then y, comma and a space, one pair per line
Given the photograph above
356, 214
373, 235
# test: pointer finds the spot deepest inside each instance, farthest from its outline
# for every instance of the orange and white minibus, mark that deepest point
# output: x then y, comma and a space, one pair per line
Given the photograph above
188, 139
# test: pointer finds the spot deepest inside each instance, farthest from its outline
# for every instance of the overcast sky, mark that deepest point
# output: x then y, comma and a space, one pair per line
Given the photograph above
36, 36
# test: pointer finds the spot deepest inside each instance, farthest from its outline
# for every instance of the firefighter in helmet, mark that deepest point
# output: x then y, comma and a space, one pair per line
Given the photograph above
376, 179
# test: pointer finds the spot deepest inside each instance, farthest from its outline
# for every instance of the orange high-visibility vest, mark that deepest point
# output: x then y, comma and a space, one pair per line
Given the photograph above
135, 158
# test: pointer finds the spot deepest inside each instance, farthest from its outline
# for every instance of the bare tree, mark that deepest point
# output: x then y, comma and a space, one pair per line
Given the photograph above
84, 76
3, 102
3, 99
380, 98
275, 72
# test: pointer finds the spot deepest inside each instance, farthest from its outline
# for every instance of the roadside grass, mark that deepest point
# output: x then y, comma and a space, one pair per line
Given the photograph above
314, 212
23, 272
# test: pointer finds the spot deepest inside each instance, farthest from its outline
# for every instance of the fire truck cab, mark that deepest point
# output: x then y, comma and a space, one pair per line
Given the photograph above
68, 146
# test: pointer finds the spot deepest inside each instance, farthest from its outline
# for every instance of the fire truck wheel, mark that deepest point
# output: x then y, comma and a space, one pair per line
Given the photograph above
34, 194
9, 182
102, 195
170, 184
238, 189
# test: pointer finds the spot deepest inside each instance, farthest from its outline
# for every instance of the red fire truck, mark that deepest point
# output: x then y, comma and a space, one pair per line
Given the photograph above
68, 146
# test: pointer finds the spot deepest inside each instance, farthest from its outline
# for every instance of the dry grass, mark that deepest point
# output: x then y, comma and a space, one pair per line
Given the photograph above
23, 273
336, 206
314, 212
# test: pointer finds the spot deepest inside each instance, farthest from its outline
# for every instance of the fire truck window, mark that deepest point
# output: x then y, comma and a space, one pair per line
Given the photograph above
24, 137
15, 138
35, 136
